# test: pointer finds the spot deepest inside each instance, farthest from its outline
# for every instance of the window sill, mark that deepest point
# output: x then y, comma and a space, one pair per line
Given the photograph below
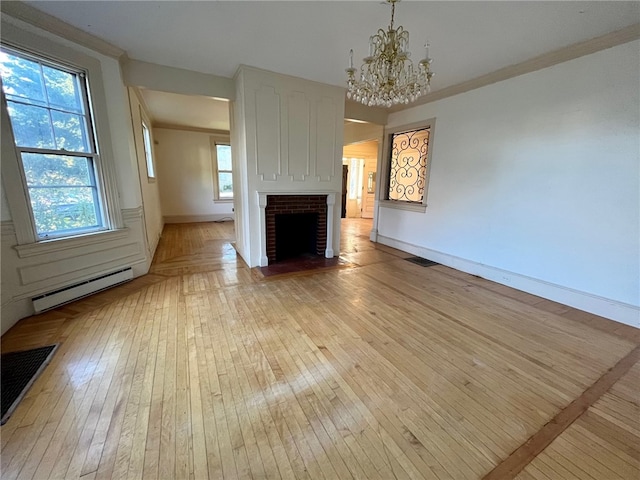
223, 200
46, 247
411, 207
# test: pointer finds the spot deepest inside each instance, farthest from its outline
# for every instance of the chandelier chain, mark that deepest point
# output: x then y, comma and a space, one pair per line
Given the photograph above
393, 12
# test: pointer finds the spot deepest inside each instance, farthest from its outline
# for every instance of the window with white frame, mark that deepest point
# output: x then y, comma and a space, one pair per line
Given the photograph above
148, 152
50, 115
408, 163
223, 174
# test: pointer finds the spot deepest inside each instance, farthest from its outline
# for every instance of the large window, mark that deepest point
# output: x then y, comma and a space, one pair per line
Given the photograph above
48, 106
223, 176
408, 164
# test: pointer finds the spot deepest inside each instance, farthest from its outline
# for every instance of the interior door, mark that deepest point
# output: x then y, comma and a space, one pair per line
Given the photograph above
369, 187
345, 176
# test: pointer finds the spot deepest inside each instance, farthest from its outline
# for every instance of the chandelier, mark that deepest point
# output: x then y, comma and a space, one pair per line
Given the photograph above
387, 76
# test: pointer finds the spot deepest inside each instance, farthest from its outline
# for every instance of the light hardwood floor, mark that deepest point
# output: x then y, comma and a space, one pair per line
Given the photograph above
380, 369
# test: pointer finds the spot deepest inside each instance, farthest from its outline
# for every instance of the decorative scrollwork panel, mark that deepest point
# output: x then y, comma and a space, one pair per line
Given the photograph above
408, 167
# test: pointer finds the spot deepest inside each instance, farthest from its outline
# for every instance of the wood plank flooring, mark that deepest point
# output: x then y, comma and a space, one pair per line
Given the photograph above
384, 370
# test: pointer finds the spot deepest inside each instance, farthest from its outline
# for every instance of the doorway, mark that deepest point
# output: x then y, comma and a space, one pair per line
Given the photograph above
361, 160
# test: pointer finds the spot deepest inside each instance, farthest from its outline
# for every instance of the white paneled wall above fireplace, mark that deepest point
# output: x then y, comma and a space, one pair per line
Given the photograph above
288, 138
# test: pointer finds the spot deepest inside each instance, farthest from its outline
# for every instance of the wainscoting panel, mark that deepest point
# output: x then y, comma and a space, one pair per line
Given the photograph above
299, 121
326, 140
268, 133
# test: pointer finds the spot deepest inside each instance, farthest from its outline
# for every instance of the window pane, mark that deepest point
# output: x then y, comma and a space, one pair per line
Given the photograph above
148, 152
62, 89
408, 165
57, 170
225, 183
69, 130
46, 105
60, 209
21, 78
224, 157
31, 125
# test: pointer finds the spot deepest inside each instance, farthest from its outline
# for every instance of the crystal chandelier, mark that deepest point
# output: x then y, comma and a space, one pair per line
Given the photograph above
387, 75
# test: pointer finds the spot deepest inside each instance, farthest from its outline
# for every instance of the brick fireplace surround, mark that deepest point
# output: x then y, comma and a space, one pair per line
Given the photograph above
291, 203
288, 204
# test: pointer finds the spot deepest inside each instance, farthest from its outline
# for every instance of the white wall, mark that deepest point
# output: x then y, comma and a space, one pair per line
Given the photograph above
152, 211
355, 132
31, 269
185, 175
535, 184
290, 141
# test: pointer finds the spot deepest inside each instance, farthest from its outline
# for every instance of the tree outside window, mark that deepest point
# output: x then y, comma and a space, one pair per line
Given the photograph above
49, 112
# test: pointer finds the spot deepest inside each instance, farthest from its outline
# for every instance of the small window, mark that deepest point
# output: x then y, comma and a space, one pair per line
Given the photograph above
48, 106
224, 177
148, 152
408, 164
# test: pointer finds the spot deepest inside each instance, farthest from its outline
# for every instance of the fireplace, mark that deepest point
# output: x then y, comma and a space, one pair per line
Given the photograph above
295, 224
296, 235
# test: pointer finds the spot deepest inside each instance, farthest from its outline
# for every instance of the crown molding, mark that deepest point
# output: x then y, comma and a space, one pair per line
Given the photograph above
564, 54
28, 14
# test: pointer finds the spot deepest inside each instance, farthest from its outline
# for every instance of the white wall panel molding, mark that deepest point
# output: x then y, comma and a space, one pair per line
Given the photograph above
132, 214
46, 266
65, 267
8, 232
298, 145
326, 139
52, 247
289, 141
605, 307
267, 133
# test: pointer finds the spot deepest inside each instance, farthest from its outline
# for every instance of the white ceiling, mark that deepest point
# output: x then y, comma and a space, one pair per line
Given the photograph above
186, 110
311, 39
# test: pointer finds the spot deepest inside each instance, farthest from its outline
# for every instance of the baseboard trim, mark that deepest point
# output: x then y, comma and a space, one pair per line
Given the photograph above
12, 311
612, 309
198, 218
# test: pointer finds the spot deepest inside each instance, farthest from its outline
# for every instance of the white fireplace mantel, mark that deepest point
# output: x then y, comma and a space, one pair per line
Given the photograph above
262, 204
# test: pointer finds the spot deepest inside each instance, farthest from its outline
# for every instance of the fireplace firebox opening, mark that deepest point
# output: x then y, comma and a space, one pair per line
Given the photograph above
304, 219
296, 235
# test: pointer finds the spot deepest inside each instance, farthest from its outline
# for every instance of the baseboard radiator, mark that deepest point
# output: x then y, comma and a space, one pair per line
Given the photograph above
68, 294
